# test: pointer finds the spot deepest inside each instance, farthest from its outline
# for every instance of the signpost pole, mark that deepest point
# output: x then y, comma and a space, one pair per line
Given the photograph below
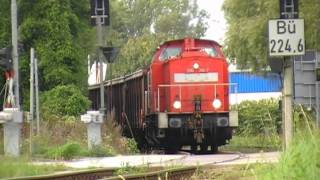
15, 56
286, 39
287, 97
288, 86
317, 84
94, 119
12, 128
100, 42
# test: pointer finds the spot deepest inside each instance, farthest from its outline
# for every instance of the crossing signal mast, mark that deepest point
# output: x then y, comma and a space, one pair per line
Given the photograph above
286, 38
11, 116
94, 119
6, 63
100, 17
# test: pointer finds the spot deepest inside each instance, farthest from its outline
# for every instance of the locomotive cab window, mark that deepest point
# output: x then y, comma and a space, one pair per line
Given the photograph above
210, 51
169, 52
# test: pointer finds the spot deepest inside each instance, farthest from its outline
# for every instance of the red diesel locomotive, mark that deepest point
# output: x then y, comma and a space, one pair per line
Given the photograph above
181, 99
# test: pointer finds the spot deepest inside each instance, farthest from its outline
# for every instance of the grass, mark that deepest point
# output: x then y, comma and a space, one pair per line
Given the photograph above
66, 151
250, 143
67, 139
127, 169
246, 171
300, 161
16, 167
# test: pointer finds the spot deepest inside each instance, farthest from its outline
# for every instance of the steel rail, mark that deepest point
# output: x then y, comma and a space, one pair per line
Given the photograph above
109, 174
172, 174
81, 175
240, 155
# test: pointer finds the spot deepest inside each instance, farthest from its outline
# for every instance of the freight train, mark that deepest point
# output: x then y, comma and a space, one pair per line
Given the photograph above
181, 99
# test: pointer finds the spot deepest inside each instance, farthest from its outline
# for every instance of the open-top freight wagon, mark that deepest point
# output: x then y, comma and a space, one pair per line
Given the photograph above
181, 99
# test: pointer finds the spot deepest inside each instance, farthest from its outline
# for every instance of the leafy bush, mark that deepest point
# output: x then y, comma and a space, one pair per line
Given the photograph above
259, 117
102, 151
67, 151
259, 127
112, 135
132, 146
64, 100
55, 133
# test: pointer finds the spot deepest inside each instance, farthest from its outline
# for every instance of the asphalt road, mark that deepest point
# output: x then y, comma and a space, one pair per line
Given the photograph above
170, 160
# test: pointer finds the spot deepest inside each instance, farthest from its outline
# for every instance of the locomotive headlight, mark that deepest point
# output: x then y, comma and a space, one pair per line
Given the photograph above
177, 104
216, 103
196, 66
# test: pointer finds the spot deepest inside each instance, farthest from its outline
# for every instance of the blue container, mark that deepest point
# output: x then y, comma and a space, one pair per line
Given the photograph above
253, 83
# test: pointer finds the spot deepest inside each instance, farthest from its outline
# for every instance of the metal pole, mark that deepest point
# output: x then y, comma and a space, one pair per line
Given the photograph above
317, 93
31, 86
100, 42
287, 108
15, 55
317, 105
89, 68
31, 115
37, 94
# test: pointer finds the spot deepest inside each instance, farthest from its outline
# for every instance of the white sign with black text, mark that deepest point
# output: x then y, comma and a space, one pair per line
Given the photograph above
286, 37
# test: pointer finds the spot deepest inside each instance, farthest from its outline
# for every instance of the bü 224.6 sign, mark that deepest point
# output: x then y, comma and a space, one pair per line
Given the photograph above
286, 37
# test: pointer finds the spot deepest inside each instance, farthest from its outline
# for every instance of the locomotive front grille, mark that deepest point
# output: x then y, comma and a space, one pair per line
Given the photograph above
181, 97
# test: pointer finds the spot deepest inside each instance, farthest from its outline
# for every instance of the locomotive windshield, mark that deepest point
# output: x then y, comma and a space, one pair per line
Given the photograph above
169, 52
210, 51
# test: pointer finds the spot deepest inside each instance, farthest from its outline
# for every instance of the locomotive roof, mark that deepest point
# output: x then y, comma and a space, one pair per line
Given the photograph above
182, 40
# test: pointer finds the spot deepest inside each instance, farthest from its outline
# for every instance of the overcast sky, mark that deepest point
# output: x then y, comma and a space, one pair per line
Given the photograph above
217, 23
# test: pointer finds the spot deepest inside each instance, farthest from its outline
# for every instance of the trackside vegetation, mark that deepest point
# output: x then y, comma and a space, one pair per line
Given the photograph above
67, 139
299, 161
302, 159
63, 100
15, 167
62, 36
246, 36
259, 127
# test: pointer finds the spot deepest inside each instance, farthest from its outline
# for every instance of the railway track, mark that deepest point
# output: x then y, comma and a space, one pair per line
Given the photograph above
81, 175
154, 172
172, 174
109, 174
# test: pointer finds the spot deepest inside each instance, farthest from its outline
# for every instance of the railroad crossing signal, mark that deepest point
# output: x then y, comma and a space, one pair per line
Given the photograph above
6, 58
110, 53
289, 9
100, 9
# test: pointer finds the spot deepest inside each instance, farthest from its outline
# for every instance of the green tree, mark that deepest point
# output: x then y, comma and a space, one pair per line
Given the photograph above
139, 26
310, 11
64, 100
5, 24
59, 31
5, 34
55, 28
247, 34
